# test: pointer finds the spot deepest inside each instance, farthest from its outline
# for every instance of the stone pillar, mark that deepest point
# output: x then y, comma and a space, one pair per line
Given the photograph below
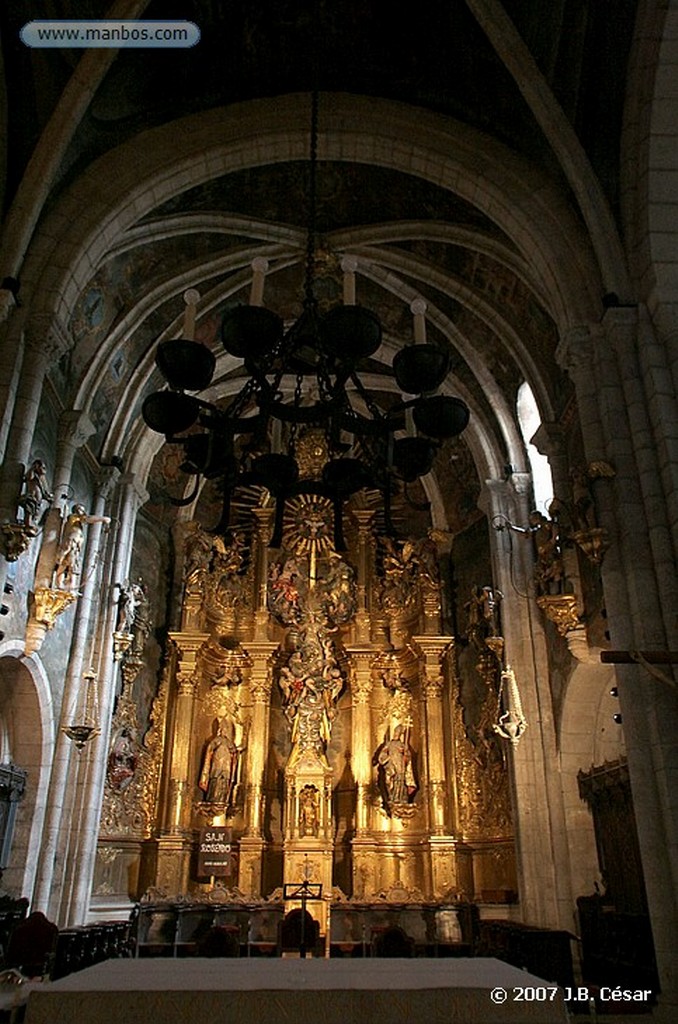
252, 843
92, 769
44, 342
649, 708
541, 836
47, 891
263, 518
75, 428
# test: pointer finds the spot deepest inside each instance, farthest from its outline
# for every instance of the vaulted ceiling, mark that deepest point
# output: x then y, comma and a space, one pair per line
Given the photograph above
442, 133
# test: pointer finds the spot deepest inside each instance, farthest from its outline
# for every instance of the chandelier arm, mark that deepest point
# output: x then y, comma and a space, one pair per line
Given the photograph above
183, 502
377, 413
309, 298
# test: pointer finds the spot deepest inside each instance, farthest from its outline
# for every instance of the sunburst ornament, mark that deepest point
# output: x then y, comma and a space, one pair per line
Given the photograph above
308, 525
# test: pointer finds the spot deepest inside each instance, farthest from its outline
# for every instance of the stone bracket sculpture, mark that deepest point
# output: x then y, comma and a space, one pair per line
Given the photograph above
35, 495
46, 605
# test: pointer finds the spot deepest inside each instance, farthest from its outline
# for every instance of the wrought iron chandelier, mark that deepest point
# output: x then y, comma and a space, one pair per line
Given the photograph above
317, 361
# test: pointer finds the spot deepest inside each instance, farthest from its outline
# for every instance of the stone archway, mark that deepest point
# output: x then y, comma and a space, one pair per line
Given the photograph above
27, 733
588, 737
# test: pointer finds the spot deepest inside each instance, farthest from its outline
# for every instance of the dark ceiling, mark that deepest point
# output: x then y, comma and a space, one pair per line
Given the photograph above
435, 56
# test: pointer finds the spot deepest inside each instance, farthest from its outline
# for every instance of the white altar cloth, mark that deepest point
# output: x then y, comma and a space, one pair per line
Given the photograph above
263, 991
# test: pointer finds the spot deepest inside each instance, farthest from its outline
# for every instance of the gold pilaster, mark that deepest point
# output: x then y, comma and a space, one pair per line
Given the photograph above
364, 518
260, 683
187, 645
361, 753
263, 517
434, 650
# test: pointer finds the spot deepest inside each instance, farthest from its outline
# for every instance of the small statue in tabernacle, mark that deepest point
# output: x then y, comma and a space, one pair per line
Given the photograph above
197, 555
308, 811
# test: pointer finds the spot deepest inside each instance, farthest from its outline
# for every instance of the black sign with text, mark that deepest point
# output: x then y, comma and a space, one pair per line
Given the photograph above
215, 855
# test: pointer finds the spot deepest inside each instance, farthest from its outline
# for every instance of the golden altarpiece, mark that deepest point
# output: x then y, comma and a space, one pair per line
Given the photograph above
312, 707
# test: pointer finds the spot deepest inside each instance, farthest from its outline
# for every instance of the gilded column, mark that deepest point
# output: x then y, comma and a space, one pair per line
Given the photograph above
264, 525
174, 842
361, 752
364, 518
434, 651
363, 866
252, 843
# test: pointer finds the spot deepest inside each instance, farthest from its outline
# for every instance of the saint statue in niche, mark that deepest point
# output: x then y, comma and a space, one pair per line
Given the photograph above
395, 769
220, 772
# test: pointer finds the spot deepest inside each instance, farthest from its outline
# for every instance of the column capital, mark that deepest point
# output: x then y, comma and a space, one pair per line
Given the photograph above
187, 683
621, 328
433, 649
47, 337
364, 518
263, 515
576, 348
106, 482
187, 645
75, 427
549, 439
133, 489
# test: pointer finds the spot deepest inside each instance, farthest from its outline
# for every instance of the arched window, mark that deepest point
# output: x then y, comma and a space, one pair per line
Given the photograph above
530, 422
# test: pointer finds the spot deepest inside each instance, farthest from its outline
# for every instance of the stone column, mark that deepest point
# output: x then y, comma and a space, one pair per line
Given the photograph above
47, 891
647, 563
252, 843
541, 836
75, 428
44, 342
263, 518
92, 771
